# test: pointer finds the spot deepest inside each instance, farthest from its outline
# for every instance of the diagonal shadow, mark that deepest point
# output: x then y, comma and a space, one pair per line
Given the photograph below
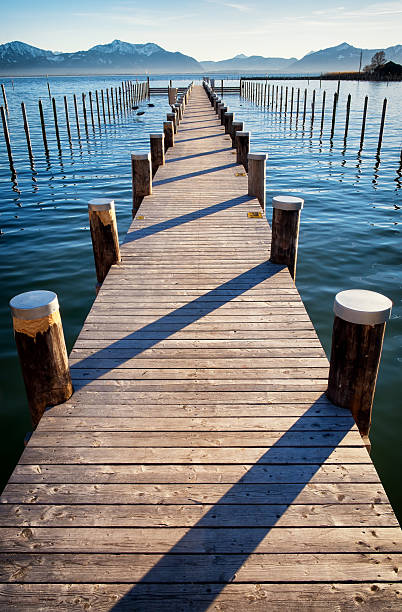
192, 174
199, 137
197, 214
169, 324
217, 546
176, 159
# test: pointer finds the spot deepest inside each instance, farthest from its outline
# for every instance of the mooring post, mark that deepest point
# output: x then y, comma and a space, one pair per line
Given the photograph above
384, 110
172, 117
347, 116
142, 178
84, 112
222, 111
363, 122
357, 338
7, 138
67, 118
324, 93
105, 239
242, 148
227, 122
56, 124
26, 129
168, 130
285, 231
334, 115
76, 116
43, 126
237, 126
256, 176
39, 337
92, 111
157, 144
4, 97
97, 108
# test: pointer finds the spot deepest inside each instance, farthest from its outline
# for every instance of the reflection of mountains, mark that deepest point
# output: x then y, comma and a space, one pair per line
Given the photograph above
121, 57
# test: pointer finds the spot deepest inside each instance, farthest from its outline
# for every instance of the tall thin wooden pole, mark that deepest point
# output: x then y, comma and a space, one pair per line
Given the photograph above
108, 103
76, 116
347, 116
324, 94
26, 129
7, 138
363, 122
304, 106
384, 110
334, 115
4, 97
67, 118
92, 110
43, 126
84, 111
97, 108
103, 107
313, 109
56, 123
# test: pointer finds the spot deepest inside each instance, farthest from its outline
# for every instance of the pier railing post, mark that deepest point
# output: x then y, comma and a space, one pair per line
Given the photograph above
228, 120
172, 117
285, 231
39, 337
256, 176
237, 126
223, 109
141, 177
105, 239
357, 339
242, 148
157, 143
168, 130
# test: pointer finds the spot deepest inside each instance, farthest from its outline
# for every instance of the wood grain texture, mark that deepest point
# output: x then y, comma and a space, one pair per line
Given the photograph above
199, 464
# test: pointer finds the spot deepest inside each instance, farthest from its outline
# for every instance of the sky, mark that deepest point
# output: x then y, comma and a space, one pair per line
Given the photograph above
205, 29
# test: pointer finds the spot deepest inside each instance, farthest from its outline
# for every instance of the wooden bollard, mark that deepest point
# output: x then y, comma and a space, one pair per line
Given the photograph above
97, 108
84, 112
26, 129
222, 111
242, 148
384, 110
219, 105
227, 122
357, 338
237, 126
168, 130
105, 239
91, 110
43, 126
285, 231
347, 116
172, 117
179, 112
42, 350
103, 107
141, 177
216, 102
108, 104
256, 176
157, 143
172, 93
324, 93
334, 115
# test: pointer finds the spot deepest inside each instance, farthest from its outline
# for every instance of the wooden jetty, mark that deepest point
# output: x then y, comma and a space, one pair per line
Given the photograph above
199, 464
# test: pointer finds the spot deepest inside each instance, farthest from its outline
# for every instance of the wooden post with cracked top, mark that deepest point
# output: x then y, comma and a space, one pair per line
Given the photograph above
39, 337
242, 148
173, 118
256, 176
168, 130
105, 239
157, 144
285, 231
237, 126
142, 178
357, 339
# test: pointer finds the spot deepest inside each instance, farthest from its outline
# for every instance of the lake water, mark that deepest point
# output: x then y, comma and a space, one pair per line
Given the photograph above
350, 230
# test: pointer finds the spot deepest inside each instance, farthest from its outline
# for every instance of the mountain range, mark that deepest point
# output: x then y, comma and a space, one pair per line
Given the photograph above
118, 57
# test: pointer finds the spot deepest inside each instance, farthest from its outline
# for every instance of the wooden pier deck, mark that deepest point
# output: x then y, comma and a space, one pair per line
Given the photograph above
198, 465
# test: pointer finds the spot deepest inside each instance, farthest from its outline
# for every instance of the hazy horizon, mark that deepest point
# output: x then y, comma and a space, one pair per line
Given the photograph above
257, 27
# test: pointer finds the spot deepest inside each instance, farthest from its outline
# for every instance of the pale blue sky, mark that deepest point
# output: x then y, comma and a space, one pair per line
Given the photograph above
205, 29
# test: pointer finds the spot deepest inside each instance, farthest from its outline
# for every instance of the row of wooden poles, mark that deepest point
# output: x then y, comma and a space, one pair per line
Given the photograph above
37, 324
292, 102
103, 106
360, 315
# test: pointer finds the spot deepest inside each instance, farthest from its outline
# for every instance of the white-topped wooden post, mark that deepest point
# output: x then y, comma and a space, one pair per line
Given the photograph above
105, 238
142, 178
228, 120
39, 337
222, 110
216, 103
285, 231
172, 93
172, 117
256, 176
168, 130
357, 338
237, 126
157, 143
242, 148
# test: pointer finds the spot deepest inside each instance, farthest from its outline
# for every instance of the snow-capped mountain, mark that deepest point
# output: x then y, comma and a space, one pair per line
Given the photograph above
243, 63
17, 58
